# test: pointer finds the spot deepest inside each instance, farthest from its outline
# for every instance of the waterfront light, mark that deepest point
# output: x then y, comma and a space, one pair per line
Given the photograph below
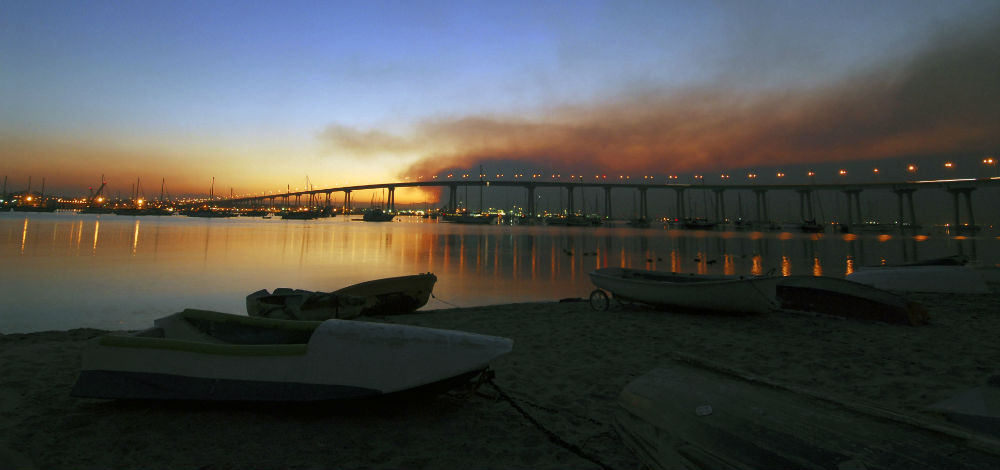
780, 175
843, 172
752, 176
949, 165
911, 168
811, 174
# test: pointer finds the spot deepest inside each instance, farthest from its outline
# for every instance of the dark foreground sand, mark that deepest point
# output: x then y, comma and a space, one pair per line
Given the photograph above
568, 366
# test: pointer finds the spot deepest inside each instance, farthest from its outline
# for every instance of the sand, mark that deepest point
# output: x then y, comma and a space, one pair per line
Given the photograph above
568, 366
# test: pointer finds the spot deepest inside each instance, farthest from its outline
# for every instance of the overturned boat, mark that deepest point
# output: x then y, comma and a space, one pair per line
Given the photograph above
297, 304
204, 355
730, 294
847, 299
689, 416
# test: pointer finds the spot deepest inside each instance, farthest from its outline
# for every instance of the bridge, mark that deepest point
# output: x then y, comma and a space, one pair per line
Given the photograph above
960, 188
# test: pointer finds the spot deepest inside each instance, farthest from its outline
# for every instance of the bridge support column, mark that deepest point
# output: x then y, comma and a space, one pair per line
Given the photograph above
607, 202
643, 204
391, 203
761, 196
681, 215
967, 192
569, 200
452, 198
347, 201
805, 204
720, 205
899, 202
853, 206
531, 200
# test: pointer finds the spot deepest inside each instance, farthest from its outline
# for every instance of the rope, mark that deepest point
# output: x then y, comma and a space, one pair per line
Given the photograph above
443, 301
551, 435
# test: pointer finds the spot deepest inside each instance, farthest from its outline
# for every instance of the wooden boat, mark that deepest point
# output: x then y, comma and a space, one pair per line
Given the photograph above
203, 355
682, 416
393, 295
297, 304
956, 279
733, 294
376, 214
843, 298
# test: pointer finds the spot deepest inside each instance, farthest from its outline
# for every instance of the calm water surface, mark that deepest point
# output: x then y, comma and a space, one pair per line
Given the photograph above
66, 270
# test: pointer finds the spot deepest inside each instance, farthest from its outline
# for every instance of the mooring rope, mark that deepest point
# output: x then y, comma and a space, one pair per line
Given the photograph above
551, 435
443, 301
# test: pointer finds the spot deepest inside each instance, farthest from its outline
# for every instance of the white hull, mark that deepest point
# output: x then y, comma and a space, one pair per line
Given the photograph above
947, 279
282, 360
734, 294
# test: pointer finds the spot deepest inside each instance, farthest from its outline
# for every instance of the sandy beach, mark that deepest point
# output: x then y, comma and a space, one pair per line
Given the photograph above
568, 366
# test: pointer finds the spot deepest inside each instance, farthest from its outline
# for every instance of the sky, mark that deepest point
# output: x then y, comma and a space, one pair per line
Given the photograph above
263, 96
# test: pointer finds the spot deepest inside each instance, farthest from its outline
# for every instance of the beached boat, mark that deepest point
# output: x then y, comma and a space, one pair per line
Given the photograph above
685, 416
977, 408
733, 294
848, 299
297, 304
376, 214
203, 355
945, 278
393, 295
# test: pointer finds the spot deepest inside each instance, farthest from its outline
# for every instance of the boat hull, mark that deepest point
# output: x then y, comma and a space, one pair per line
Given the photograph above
923, 278
213, 356
730, 294
843, 298
681, 416
393, 295
296, 304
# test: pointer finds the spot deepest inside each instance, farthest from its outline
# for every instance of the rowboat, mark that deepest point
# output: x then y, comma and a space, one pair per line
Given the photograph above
955, 279
732, 294
848, 299
203, 355
393, 295
684, 416
298, 304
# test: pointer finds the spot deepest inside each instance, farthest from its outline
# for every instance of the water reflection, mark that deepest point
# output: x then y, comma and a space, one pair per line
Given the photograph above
171, 263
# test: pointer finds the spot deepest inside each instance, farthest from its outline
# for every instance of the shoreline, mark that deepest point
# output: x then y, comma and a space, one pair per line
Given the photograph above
568, 366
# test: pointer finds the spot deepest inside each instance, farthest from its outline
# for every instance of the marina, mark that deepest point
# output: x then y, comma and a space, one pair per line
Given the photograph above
120, 272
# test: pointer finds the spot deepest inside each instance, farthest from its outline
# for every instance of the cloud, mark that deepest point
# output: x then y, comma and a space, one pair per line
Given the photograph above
942, 100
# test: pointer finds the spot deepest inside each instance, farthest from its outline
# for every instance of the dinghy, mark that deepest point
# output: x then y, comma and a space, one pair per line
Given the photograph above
297, 304
203, 355
682, 416
393, 295
843, 298
731, 294
943, 278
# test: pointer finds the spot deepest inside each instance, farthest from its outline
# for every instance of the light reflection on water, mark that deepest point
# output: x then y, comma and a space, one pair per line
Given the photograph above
137, 269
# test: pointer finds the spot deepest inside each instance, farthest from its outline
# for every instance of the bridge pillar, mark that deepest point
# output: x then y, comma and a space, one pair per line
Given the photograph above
643, 204
720, 205
607, 202
967, 192
761, 196
391, 203
680, 203
900, 205
853, 206
805, 204
347, 201
569, 200
531, 200
452, 198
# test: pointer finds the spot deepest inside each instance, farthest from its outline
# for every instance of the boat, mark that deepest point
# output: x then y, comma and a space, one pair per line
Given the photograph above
691, 416
977, 408
388, 296
393, 295
640, 222
466, 218
376, 214
204, 355
699, 223
731, 294
811, 226
847, 299
942, 278
301, 215
297, 304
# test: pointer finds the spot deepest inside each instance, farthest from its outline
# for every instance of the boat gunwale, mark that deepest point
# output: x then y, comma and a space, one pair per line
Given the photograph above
219, 349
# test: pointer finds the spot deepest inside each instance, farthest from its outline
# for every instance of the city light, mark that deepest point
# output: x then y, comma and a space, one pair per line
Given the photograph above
780, 175
948, 165
843, 172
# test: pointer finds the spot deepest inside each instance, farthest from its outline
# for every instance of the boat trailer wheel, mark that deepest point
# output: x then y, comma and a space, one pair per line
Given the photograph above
599, 300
